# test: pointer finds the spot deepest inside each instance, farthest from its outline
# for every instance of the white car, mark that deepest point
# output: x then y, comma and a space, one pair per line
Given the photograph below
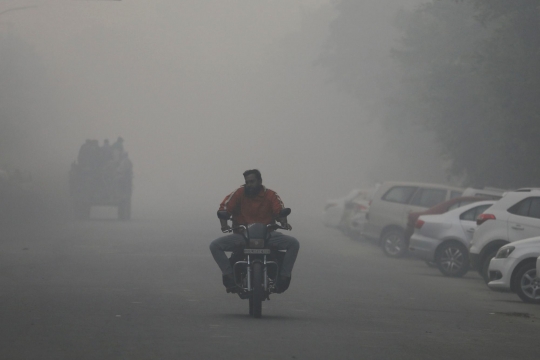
444, 239
357, 221
388, 211
514, 269
489, 193
514, 217
339, 213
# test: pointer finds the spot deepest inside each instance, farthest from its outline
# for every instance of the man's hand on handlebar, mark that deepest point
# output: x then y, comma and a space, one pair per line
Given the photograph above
225, 226
286, 226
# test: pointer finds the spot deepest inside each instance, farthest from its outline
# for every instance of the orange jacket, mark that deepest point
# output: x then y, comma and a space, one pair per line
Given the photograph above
263, 208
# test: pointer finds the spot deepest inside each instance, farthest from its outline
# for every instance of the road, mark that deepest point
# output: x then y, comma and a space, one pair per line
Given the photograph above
149, 289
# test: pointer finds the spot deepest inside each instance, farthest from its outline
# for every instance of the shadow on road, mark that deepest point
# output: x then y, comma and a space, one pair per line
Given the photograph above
264, 317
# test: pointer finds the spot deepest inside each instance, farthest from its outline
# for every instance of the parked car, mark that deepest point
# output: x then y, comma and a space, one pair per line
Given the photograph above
334, 209
339, 213
354, 217
438, 209
515, 217
357, 221
490, 193
444, 238
514, 269
391, 204
538, 269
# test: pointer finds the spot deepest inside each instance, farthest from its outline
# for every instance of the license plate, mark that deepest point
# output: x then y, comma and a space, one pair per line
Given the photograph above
257, 251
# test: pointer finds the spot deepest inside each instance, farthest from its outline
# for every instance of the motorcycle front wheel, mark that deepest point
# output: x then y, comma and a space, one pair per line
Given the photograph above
256, 299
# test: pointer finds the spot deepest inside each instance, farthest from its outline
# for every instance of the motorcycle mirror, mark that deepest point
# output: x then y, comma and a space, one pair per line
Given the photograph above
223, 215
284, 212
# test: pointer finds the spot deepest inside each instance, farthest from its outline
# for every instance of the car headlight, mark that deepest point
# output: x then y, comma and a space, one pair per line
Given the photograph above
504, 252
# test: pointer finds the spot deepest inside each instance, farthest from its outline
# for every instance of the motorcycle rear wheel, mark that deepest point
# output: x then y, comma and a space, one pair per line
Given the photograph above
257, 296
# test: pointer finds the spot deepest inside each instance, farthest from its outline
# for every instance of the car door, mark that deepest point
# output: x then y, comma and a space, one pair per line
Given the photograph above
390, 209
424, 198
524, 219
467, 220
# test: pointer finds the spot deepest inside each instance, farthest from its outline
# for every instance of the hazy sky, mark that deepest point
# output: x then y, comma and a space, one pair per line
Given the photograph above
200, 90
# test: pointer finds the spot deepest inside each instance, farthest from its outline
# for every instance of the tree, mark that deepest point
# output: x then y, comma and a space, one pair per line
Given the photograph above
440, 89
468, 71
357, 56
507, 63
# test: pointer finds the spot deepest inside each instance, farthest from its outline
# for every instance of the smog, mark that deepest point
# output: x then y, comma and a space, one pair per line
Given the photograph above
200, 93
340, 104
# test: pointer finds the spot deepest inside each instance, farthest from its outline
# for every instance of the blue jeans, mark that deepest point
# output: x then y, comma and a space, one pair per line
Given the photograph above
232, 241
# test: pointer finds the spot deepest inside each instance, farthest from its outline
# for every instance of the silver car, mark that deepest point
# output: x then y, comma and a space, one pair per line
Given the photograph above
389, 209
444, 239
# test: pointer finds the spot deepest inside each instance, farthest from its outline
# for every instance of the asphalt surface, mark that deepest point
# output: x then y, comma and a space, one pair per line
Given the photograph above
149, 289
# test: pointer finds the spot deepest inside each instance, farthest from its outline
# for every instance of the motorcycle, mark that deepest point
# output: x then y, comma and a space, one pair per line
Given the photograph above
256, 264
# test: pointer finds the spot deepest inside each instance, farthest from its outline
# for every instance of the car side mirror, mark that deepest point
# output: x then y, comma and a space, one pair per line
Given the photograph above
223, 215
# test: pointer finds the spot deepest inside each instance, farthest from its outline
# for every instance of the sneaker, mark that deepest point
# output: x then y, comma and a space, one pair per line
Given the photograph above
283, 283
228, 281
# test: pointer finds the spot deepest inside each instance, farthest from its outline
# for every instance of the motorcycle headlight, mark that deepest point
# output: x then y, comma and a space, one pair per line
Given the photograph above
504, 252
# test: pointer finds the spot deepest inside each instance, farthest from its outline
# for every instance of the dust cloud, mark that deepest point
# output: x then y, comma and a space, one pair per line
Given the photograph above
200, 91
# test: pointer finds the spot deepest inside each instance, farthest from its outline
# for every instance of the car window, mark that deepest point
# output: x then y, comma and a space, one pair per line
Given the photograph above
455, 194
534, 209
489, 197
460, 204
399, 194
454, 206
473, 213
428, 197
521, 208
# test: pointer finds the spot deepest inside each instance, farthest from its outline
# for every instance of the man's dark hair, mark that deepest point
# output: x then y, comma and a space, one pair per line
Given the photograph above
253, 171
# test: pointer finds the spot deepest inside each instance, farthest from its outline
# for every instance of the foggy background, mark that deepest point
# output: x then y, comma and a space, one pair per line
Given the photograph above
201, 91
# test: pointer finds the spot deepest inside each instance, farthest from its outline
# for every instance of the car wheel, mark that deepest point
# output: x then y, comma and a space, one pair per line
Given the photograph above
393, 243
484, 268
528, 286
453, 260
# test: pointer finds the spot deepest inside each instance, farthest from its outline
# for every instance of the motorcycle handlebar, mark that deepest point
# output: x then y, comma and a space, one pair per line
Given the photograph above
275, 226
234, 229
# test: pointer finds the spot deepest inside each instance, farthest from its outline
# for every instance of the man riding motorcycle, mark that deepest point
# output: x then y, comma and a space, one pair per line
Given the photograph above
254, 203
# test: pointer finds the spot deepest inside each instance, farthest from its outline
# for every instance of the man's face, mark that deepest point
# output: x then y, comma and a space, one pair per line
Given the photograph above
253, 185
